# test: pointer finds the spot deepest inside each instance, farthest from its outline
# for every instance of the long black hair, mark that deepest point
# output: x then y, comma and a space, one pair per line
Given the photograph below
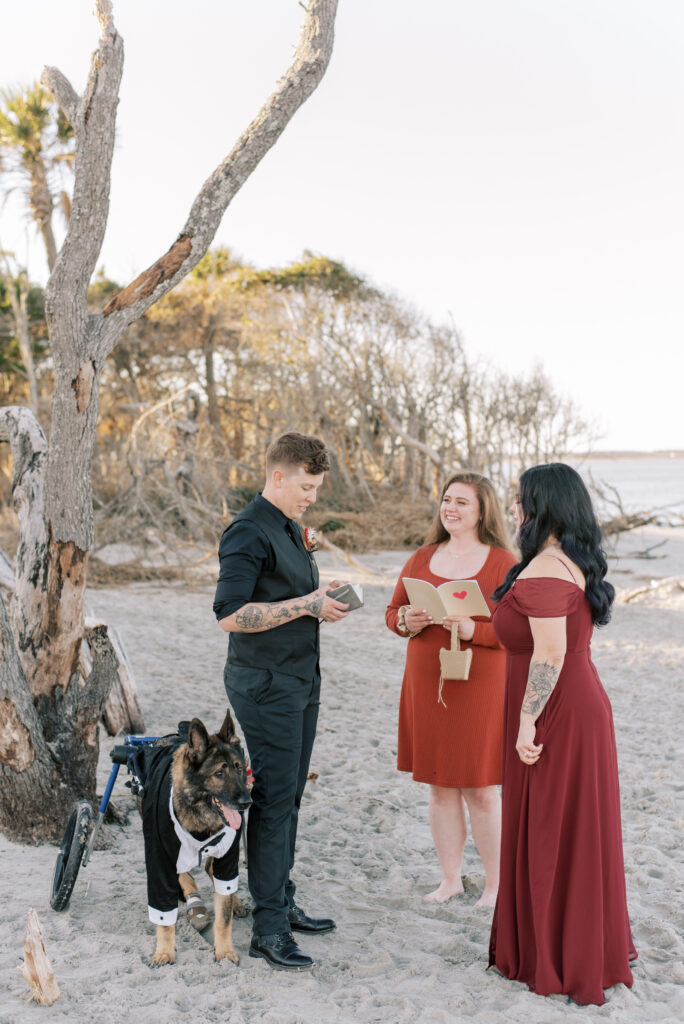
556, 502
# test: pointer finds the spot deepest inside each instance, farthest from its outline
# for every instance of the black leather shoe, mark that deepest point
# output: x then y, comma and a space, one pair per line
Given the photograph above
299, 921
281, 951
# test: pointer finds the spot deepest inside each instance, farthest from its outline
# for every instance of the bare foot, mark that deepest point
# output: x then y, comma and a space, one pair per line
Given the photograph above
487, 899
445, 892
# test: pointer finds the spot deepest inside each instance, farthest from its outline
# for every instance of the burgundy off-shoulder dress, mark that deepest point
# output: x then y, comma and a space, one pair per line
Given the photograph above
560, 922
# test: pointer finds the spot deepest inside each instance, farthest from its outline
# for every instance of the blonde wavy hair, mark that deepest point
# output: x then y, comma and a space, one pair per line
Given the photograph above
491, 528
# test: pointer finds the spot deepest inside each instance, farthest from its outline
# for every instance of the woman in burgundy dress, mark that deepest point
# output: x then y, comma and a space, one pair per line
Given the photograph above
560, 923
454, 744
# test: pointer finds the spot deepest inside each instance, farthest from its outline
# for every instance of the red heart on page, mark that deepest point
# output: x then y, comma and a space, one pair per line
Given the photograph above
460, 594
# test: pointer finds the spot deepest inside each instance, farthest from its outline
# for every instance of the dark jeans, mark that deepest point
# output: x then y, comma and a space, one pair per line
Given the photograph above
278, 715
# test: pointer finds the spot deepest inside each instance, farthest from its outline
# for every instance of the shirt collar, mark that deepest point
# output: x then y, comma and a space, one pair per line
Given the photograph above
275, 513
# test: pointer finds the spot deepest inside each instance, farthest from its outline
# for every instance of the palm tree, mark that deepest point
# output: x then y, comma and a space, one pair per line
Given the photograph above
35, 141
15, 285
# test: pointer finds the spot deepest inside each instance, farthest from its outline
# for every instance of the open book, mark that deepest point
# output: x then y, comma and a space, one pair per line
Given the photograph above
455, 597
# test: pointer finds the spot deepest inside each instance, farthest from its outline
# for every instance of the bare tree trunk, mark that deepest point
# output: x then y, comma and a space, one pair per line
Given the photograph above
410, 479
48, 748
213, 409
28, 609
52, 485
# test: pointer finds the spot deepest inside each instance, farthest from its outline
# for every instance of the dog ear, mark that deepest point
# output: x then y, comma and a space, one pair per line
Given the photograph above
227, 731
198, 741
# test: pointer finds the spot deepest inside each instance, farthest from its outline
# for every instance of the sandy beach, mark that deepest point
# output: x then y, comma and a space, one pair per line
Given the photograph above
365, 854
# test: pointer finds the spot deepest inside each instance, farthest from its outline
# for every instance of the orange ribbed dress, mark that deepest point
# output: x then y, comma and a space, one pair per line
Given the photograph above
458, 745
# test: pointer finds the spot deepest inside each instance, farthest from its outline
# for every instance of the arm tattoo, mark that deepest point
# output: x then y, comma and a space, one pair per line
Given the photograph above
540, 682
249, 617
257, 618
315, 606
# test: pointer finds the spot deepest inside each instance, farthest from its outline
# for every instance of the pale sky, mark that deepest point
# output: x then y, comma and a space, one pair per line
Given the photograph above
517, 165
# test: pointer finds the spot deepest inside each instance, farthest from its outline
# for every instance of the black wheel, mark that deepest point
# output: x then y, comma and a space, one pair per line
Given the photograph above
70, 854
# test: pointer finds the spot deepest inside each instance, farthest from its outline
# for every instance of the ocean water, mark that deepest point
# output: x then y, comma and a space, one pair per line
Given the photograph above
643, 483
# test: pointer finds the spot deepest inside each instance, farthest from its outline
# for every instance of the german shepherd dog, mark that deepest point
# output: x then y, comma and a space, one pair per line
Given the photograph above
209, 779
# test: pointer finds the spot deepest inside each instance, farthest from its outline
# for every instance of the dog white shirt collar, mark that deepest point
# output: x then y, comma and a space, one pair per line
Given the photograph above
193, 851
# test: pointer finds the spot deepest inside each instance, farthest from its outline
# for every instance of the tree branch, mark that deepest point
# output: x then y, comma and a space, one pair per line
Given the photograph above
63, 91
93, 119
312, 58
412, 442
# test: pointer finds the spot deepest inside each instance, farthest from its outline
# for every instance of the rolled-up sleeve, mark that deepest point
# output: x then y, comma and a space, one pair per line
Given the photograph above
244, 553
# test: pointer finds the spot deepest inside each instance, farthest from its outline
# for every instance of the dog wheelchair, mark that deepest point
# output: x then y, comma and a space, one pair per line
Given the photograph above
76, 849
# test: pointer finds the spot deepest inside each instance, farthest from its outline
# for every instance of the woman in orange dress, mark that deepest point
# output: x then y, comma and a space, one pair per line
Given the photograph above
454, 745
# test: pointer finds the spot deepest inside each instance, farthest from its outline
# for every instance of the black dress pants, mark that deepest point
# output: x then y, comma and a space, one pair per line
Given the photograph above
278, 715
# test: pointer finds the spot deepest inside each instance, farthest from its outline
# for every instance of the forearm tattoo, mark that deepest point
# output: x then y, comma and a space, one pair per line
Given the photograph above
540, 682
257, 618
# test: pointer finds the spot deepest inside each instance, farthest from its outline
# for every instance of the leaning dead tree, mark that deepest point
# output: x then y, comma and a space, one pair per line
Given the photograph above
48, 714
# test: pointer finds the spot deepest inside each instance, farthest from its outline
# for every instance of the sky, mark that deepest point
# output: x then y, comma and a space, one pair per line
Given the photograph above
516, 166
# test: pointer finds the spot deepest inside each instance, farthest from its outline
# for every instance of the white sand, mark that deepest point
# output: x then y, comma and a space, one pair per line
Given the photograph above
365, 852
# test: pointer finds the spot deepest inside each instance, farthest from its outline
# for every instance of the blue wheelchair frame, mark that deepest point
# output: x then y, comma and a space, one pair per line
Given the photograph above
73, 852
120, 755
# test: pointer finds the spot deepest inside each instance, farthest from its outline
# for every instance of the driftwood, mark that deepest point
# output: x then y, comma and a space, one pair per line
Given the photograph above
669, 581
122, 712
623, 521
648, 552
629, 521
36, 968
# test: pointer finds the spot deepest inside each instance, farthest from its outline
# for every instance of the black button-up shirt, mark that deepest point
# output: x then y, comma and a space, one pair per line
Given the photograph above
245, 552
264, 560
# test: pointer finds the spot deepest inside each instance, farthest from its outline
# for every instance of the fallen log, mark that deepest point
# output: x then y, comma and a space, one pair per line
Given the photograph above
669, 581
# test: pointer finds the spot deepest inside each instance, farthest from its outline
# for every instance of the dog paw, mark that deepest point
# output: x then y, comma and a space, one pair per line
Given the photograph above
239, 908
159, 959
226, 954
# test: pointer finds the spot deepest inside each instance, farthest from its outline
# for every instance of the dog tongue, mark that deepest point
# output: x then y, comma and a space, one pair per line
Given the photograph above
232, 816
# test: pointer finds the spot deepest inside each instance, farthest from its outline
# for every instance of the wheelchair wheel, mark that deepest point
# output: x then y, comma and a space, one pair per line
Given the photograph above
70, 854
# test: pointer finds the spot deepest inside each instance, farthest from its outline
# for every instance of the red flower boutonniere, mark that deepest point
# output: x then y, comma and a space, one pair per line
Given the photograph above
311, 541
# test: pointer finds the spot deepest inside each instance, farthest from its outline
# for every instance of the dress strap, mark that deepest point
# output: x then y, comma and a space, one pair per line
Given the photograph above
567, 567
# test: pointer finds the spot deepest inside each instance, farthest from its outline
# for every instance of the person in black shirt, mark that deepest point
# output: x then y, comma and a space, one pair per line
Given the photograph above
269, 600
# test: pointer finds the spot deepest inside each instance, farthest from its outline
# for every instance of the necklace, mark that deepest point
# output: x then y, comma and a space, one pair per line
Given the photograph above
463, 553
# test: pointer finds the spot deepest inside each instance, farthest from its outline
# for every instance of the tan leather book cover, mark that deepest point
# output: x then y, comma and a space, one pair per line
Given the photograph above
455, 597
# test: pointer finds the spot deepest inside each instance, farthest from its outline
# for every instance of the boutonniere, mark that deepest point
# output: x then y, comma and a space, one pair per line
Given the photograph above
311, 541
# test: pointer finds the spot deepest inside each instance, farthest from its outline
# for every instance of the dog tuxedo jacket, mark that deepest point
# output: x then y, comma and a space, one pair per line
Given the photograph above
171, 850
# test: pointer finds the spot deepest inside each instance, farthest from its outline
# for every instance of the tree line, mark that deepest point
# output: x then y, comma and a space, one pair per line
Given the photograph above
198, 386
